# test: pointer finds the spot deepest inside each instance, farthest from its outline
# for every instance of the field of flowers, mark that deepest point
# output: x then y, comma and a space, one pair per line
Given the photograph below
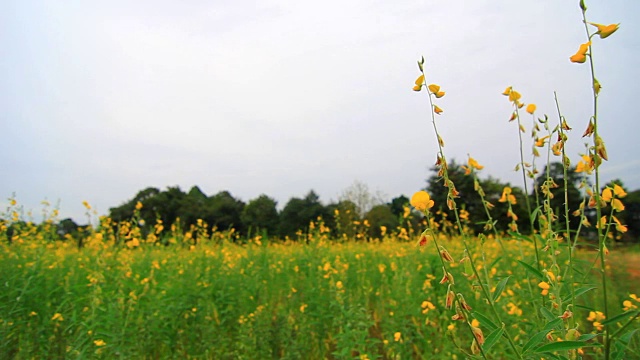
315, 299
134, 290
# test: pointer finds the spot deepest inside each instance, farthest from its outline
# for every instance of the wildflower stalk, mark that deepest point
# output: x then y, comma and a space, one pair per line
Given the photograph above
446, 269
596, 193
565, 165
452, 206
526, 190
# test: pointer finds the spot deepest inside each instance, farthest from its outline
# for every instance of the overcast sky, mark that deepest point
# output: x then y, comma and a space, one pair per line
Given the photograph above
101, 99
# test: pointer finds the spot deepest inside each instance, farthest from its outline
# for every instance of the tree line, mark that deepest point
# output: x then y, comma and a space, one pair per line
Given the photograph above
360, 214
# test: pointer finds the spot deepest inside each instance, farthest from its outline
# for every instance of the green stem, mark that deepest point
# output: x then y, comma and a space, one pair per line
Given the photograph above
597, 160
566, 208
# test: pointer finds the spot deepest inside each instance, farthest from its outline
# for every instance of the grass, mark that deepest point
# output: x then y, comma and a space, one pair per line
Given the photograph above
222, 300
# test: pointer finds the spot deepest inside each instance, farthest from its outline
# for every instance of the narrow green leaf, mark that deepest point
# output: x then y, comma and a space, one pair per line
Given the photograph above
519, 236
535, 272
485, 321
587, 337
564, 346
553, 324
534, 340
495, 262
578, 292
626, 337
619, 317
547, 314
492, 338
500, 288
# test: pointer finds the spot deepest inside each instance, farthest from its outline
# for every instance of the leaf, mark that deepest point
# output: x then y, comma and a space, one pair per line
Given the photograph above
564, 346
553, 324
626, 337
492, 338
485, 321
534, 340
500, 288
547, 314
535, 272
495, 262
587, 337
619, 317
578, 293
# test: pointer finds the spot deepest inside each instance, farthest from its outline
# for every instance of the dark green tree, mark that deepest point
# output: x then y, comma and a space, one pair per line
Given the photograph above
298, 213
341, 218
632, 216
194, 206
397, 205
224, 212
469, 200
378, 216
261, 214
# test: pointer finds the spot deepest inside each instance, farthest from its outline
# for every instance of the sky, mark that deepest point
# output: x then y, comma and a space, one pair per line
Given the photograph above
101, 99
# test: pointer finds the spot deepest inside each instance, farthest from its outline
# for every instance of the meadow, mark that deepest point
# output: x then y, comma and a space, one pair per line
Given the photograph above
315, 298
441, 290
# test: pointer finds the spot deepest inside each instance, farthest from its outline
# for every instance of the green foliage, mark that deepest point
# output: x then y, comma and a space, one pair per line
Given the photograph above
378, 216
260, 214
298, 213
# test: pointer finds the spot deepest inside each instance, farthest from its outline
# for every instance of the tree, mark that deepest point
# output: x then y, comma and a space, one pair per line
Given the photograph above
261, 214
398, 204
360, 195
67, 226
298, 213
378, 216
224, 211
632, 215
469, 200
343, 221
155, 204
193, 206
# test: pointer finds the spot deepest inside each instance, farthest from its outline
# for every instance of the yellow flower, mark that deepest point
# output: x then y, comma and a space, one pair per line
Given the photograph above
619, 191
397, 336
531, 108
580, 55
474, 164
507, 196
514, 96
437, 110
605, 30
628, 305
86, 205
578, 58
99, 342
339, 285
545, 287
507, 91
617, 205
57, 316
434, 88
138, 205
540, 142
421, 201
